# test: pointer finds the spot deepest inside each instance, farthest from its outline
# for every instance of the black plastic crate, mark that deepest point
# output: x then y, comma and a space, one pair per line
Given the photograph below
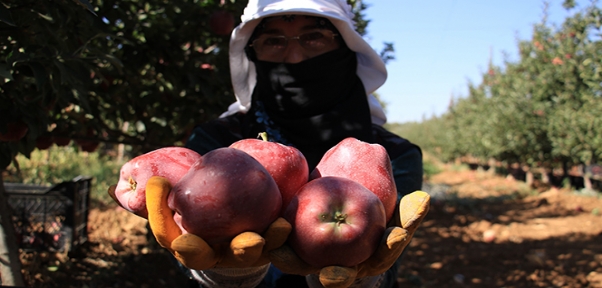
51, 218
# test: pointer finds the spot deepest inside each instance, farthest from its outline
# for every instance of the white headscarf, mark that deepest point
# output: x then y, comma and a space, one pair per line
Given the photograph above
370, 69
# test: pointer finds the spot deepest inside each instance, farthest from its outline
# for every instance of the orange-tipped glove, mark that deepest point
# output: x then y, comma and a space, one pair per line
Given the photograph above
412, 210
247, 249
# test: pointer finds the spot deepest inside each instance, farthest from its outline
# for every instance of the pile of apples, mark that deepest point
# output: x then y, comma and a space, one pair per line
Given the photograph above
338, 211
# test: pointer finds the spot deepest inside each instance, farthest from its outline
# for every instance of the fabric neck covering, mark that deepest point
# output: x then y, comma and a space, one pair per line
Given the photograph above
313, 104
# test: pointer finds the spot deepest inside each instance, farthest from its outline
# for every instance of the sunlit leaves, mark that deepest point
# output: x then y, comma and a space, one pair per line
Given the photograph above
545, 107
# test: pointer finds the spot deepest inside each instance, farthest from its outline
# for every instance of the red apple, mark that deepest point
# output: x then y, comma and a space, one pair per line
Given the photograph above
106, 83
286, 164
89, 146
221, 22
44, 142
225, 193
336, 221
87, 142
61, 141
15, 130
169, 162
365, 163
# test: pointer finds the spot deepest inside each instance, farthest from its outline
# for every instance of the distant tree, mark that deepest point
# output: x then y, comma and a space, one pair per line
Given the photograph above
544, 109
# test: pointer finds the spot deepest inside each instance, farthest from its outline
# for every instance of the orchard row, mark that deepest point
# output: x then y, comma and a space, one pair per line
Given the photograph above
544, 110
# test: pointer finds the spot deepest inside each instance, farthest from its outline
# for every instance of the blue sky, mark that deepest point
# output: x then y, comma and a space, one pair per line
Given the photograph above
441, 45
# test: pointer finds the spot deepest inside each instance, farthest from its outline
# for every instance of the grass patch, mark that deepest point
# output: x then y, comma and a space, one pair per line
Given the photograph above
59, 164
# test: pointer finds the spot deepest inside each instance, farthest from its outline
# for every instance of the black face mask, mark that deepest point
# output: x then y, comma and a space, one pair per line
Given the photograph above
313, 104
307, 88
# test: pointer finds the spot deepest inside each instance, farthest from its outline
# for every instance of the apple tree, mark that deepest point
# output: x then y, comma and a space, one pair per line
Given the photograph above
542, 110
135, 72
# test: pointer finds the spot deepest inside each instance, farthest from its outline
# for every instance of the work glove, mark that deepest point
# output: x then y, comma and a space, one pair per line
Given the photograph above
412, 210
248, 249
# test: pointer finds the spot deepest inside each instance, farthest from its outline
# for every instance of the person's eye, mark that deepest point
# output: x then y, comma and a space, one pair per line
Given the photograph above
274, 41
312, 36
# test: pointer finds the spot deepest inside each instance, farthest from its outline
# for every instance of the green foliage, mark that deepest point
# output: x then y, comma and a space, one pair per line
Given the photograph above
433, 136
58, 164
543, 110
140, 72
361, 23
430, 169
136, 72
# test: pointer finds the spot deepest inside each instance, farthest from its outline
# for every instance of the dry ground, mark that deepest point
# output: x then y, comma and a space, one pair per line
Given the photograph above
482, 231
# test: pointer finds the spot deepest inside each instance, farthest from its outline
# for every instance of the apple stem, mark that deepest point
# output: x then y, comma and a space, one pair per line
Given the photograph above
133, 184
340, 217
263, 136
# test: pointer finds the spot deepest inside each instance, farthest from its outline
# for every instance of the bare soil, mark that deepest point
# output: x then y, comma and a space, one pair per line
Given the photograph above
483, 230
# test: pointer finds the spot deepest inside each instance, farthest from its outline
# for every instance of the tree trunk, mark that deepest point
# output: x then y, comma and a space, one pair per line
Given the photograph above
529, 177
587, 182
545, 176
10, 264
121, 146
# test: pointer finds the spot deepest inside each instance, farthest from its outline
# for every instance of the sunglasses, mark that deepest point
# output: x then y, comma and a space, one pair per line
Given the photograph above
271, 47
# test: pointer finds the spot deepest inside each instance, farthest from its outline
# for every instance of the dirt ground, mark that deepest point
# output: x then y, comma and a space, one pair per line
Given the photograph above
482, 230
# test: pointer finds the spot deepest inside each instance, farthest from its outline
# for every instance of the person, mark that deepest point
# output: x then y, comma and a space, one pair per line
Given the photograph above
303, 74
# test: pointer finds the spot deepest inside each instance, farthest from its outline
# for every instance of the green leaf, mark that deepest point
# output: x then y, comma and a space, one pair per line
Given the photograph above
587, 61
39, 73
16, 57
6, 155
86, 4
47, 17
5, 71
6, 16
114, 61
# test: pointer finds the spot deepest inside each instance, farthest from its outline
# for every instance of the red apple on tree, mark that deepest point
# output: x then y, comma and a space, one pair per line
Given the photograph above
88, 142
169, 162
44, 142
223, 194
365, 163
286, 164
221, 22
61, 141
61, 135
336, 221
15, 130
106, 83
89, 146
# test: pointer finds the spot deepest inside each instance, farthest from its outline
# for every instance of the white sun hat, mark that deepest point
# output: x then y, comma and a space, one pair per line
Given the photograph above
370, 69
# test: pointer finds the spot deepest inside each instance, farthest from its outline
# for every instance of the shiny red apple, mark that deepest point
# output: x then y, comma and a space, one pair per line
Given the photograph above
286, 164
223, 194
88, 142
15, 130
89, 146
44, 142
169, 162
221, 22
61, 141
336, 221
365, 163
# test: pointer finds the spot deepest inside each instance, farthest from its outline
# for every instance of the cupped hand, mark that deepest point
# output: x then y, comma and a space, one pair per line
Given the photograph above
248, 249
412, 210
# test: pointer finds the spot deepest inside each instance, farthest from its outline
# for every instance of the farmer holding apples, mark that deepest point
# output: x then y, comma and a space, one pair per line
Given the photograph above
302, 74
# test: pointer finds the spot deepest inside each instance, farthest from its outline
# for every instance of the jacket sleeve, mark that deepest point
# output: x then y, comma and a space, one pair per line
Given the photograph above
203, 142
408, 172
217, 133
406, 161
